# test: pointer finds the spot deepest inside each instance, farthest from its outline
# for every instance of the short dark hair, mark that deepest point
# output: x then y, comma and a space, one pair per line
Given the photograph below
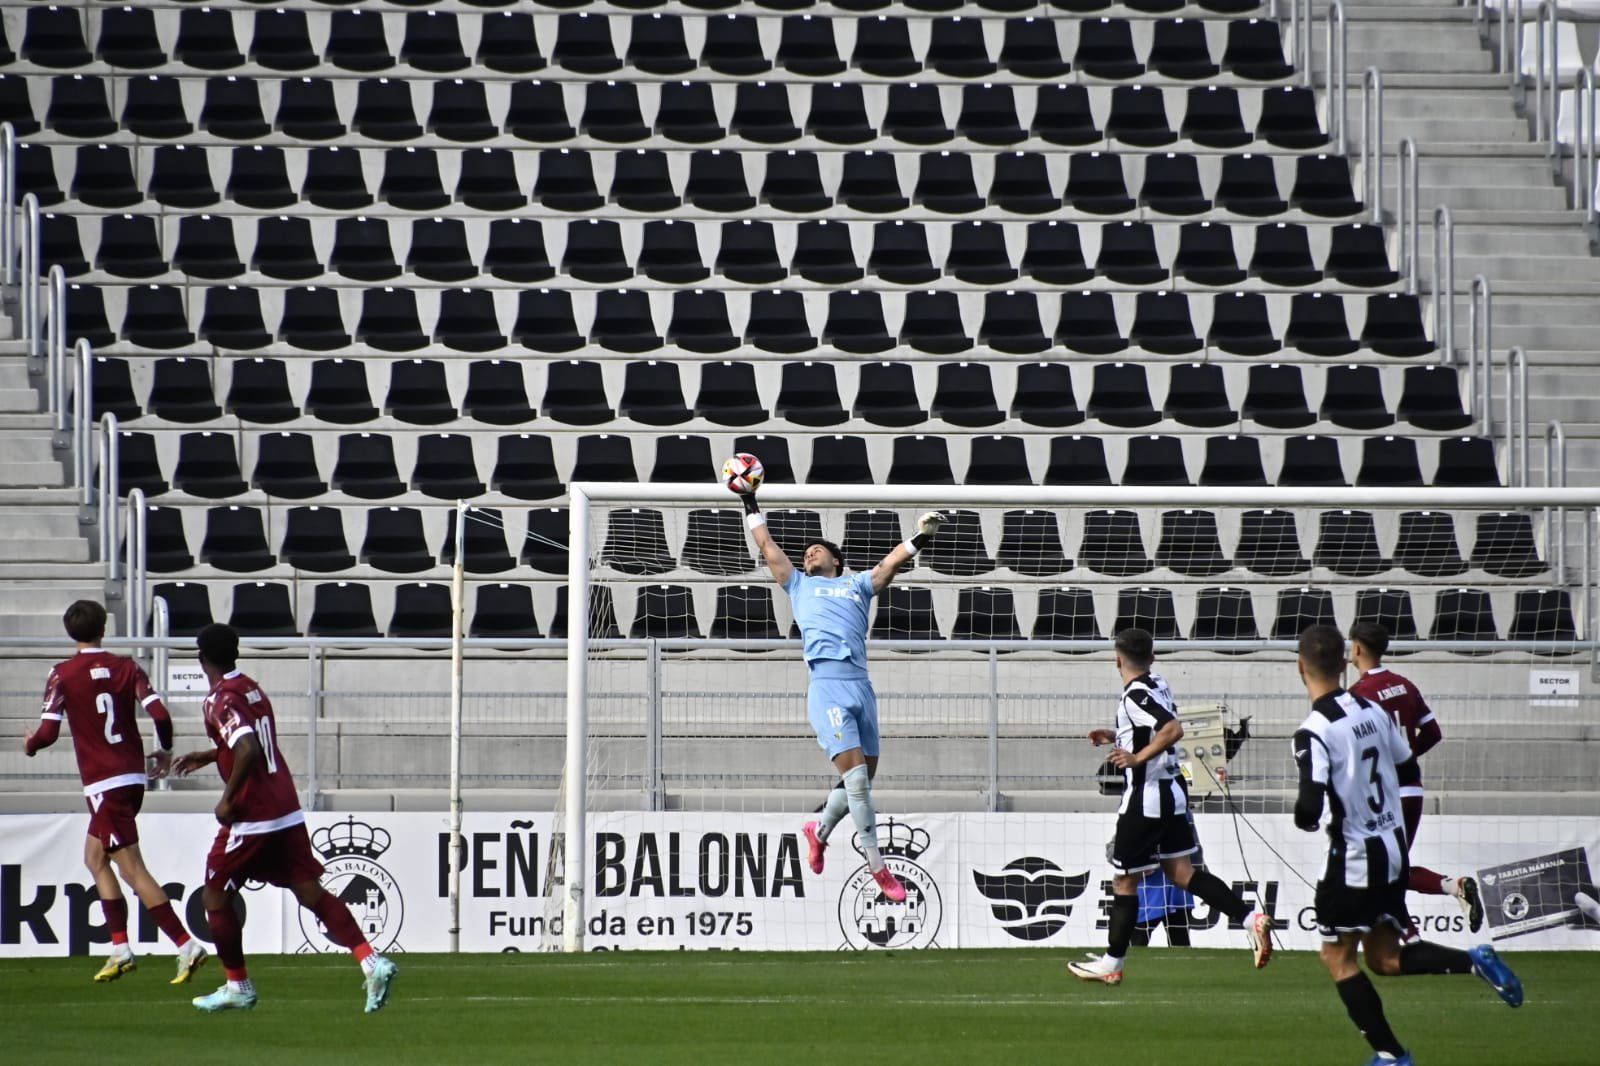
1374, 635
85, 621
1137, 646
219, 645
1322, 651
833, 549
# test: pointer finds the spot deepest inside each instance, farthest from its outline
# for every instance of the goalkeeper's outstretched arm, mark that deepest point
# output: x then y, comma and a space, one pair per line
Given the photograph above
927, 528
776, 560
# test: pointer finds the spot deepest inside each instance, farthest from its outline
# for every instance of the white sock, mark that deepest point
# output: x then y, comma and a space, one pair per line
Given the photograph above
371, 961
858, 790
833, 812
247, 986
1448, 884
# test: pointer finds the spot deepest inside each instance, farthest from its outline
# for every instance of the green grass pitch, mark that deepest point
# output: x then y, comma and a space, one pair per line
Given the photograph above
1177, 1006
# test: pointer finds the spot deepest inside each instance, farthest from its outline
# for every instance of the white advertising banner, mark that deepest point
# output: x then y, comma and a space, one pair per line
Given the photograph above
728, 881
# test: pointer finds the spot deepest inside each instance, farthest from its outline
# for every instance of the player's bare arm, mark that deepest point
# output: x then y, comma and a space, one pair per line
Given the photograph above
927, 528
777, 562
246, 754
1169, 734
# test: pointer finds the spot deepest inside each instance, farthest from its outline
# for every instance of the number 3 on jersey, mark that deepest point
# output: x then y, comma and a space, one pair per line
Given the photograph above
1375, 801
108, 707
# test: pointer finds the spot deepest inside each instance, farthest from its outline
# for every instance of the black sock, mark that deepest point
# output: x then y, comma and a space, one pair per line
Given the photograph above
1124, 916
1420, 956
1209, 887
1366, 1010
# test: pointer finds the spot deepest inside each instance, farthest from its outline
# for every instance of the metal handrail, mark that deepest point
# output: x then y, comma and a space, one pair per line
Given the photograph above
1338, 76
8, 200
1586, 147
28, 281
1305, 30
1555, 476
1582, 139
1516, 428
1444, 284
55, 341
1480, 344
82, 427
160, 655
1406, 221
134, 548
1372, 141
1546, 50
110, 493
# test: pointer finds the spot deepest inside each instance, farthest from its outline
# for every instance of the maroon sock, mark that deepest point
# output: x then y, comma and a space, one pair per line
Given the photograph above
1425, 881
228, 935
342, 928
170, 924
116, 912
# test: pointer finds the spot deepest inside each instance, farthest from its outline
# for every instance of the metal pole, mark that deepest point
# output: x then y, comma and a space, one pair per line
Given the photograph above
654, 796
110, 492
1409, 222
576, 847
1444, 284
1336, 13
134, 552
1540, 43
28, 283
160, 657
1582, 117
1480, 330
994, 730
1517, 417
82, 416
1555, 474
8, 200
1588, 572
458, 606
313, 723
54, 342
1372, 139
1554, 149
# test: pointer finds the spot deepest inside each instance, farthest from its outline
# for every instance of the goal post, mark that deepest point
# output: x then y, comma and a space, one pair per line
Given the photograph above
677, 555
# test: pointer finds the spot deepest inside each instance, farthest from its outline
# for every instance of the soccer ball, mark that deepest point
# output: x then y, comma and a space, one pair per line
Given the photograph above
742, 473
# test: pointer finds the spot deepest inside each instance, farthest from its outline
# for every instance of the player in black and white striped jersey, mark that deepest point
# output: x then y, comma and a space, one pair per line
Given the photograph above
1154, 830
1353, 757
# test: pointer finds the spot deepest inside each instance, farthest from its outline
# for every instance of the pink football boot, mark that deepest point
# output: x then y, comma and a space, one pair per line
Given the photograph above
890, 885
817, 846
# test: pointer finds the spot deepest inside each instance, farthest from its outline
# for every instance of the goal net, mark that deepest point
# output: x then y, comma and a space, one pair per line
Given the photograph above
691, 765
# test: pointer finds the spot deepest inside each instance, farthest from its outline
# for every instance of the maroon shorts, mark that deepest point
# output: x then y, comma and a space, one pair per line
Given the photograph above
113, 816
282, 858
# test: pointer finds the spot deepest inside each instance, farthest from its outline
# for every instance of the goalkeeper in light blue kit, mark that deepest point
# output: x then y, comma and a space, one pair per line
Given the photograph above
833, 612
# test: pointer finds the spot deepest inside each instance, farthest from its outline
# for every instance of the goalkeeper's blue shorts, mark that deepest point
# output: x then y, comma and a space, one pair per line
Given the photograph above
844, 714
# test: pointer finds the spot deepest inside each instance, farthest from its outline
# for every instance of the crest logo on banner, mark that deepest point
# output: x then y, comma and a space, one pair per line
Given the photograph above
1031, 897
869, 919
350, 851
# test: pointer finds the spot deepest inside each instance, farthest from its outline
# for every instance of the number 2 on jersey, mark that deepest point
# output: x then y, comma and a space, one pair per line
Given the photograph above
1375, 801
108, 707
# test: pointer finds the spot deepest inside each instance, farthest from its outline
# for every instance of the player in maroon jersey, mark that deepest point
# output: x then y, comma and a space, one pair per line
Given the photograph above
99, 695
1403, 702
263, 835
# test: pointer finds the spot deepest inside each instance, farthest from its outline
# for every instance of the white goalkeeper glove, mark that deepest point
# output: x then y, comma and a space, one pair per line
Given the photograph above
928, 527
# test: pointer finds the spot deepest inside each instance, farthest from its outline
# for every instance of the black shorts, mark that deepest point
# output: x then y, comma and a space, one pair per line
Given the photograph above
1142, 844
1342, 909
